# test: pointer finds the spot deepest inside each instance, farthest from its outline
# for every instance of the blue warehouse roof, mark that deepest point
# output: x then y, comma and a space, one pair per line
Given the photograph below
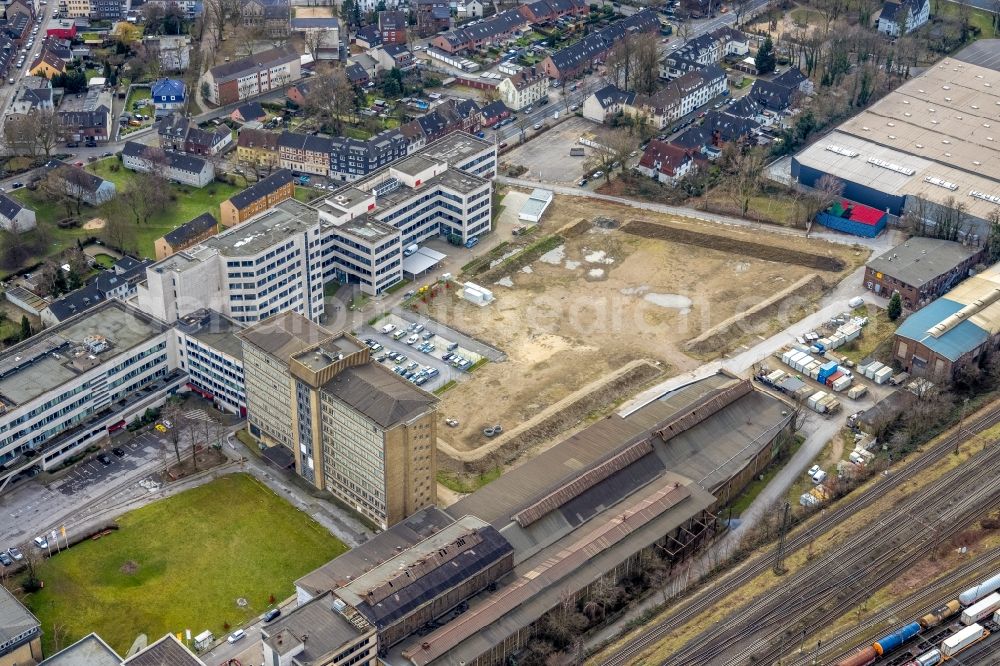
955, 342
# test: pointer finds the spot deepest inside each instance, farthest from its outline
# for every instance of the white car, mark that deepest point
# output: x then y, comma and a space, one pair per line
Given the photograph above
813, 470
412, 339
237, 635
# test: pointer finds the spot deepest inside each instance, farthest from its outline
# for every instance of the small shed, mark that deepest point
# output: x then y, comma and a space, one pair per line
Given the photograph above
477, 295
535, 206
854, 218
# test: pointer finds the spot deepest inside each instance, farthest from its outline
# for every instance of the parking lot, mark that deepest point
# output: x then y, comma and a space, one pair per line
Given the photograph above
547, 155
37, 505
469, 351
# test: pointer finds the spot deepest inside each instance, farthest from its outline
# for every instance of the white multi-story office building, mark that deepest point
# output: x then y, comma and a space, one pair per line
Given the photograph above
212, 356
279, 260
70, 385
266, 265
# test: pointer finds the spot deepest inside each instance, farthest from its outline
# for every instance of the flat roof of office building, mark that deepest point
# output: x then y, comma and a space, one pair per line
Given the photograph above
265, 230
380, 394
414, 164
214, 329
455, 147
327, 352
366, 228
58, 354
91, 650
285, 335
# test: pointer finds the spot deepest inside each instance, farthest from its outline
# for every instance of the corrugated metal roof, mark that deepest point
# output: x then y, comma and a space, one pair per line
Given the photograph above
961, 339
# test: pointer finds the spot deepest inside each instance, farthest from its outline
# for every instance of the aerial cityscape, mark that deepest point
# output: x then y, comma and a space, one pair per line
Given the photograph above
508, 333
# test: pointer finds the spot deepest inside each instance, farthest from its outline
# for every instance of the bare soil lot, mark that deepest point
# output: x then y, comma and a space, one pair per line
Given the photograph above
605, 297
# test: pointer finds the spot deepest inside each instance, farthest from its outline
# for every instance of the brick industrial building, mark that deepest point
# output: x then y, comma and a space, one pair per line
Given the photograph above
921, 269
957, 328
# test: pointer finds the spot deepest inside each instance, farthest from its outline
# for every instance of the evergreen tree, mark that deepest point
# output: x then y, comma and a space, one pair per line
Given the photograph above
25, 327
59, 286
765, 60
895, 307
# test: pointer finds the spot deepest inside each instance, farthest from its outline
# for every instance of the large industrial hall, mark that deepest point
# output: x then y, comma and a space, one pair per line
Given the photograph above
935, 138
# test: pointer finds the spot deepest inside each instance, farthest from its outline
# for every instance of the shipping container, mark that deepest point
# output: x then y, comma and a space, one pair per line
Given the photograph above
872, 368
962, 640
883, 376
837, 340
981, 610
862, 658
857, 391
974, 594
826, 370
842, 384
786, 357
832, 378
830, 404
929, 658
814, 373
892, 641
815, 398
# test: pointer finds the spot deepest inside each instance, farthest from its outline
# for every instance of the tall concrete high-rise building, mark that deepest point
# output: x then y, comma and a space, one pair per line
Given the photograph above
318, 403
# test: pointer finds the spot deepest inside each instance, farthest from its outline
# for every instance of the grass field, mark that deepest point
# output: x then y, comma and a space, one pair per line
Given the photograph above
182, 563
189, 202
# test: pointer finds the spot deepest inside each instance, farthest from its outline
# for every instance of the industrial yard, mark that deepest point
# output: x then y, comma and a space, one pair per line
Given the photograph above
610, 308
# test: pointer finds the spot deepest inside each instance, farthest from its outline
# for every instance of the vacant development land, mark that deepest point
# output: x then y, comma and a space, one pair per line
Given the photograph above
604, 295
187, 562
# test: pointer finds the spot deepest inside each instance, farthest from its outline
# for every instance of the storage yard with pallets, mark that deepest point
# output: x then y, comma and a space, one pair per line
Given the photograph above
603, 297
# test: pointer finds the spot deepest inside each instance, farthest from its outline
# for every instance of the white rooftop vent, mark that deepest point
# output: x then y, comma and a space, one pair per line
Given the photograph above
985, 197
890, 166
907, 114
866, 129
977, 162
946, 87
891, 124
986, 125
934, 180
892, 136
974, 106
919, 145
987, 85
946, 141
930, 109
833, 148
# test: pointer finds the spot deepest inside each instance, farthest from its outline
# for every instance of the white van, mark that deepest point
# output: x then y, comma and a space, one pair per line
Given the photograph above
388, 328
856, 302
819, 477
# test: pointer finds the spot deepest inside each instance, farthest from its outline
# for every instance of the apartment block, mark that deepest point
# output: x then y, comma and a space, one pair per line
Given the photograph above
346, 424
235, 81
257, 269
259, 197
523, 89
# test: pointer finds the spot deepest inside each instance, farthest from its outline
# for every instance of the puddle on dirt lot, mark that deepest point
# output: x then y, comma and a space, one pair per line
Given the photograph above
527, 269
554, 256
572, 265
505, 281
597, 257
595, 273
674, 301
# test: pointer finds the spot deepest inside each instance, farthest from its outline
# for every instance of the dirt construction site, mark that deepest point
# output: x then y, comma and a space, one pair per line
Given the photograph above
604, 300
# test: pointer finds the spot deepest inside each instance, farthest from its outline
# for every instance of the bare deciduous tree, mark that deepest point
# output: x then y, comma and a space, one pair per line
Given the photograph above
330, 99
745, 169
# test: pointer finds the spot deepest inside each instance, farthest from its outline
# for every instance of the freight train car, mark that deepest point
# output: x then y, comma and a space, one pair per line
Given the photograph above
892, 641
974, 594
862, 658
962, 640
936, 616
981, 610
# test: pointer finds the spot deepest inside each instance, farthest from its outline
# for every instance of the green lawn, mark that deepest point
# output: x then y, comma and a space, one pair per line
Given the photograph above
190, 202
979, 18
182, 563
104, 260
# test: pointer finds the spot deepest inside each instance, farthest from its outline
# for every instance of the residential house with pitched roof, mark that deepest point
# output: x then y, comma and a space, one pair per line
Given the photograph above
433, 16
174, 166
577, 58
542, 11
168, 95
665, 162
190, 233
258, 148
15, 217
482, 33
269, 70
392, 27
899, 16
523, 89
259, 197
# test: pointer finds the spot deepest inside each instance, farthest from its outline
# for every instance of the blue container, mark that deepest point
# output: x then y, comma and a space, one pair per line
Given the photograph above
894, 640
826, 370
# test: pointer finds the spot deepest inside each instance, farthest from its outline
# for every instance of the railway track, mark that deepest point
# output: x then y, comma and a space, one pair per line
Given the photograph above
711, 596
938, 593
834, 583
